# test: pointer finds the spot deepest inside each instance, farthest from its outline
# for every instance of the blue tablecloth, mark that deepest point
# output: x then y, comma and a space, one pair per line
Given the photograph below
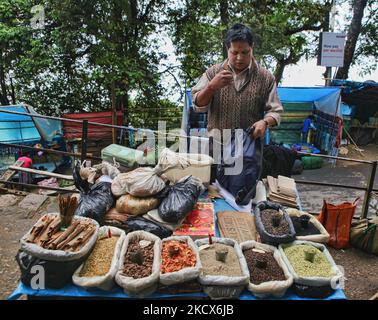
75, 291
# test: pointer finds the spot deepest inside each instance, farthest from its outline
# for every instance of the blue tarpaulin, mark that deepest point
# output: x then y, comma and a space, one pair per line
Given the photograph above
303, 94
325, 99
23, 129
16, 128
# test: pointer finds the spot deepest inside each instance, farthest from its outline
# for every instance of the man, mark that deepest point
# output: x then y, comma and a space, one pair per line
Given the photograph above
237, 92
25, 177
308, 127
59, 144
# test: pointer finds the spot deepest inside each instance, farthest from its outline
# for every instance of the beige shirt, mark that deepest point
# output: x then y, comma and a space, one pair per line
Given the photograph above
273, 107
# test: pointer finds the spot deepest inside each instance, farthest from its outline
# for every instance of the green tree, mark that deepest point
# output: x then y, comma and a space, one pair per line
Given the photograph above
281, 29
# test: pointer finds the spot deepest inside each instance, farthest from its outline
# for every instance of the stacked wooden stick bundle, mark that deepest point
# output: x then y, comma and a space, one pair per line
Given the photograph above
62, 232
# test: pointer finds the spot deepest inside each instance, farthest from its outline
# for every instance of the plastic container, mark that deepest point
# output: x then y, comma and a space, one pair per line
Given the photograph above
199, 166
125, 156
310, 162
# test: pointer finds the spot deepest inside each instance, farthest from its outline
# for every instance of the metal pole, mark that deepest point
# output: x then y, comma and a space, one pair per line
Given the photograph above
326, 184
84, 136
370, 188
47, 150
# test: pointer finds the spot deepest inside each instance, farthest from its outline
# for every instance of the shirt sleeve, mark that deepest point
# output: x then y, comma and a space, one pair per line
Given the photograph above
202, 83
273, 107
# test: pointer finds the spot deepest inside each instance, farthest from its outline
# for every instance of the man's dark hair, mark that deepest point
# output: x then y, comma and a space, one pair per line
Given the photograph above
238, 32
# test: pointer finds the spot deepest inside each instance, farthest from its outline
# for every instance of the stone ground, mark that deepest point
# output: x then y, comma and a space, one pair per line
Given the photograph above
360, 268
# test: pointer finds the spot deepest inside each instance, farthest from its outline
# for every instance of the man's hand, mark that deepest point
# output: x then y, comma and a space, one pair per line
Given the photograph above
260, 128
221, 80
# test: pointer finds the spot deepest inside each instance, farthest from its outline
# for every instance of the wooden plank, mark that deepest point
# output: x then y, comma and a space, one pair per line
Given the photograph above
43, 173
10, 173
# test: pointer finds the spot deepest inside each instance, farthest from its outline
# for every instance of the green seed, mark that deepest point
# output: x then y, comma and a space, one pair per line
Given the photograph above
316, 266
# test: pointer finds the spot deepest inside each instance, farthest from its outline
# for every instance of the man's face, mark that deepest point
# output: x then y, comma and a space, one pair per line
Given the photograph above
239, 55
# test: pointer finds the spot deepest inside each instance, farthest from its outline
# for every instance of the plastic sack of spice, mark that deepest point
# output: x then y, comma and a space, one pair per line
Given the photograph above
311, 265
100, 268
180, 199
145, 182
139, 264
94, 201
140, 223
141, 182
364, 235
108, 169
79, 239
307, 227
224, 272
269, 275
136, 206
273, 223
117, 219
180, 260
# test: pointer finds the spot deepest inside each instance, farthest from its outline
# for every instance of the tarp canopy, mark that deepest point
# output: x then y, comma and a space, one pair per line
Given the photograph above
16, 128
325, 99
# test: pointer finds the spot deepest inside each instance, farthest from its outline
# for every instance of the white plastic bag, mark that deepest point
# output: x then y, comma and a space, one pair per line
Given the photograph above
185, 274
144, 286
105, 282
178, 165
274, 288
141, 182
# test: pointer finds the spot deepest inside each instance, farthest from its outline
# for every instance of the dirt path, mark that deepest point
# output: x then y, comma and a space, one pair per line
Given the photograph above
14, 223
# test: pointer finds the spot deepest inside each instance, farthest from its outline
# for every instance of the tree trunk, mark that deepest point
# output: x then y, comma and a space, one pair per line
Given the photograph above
279, 70
353, 33
225, 20
3, 93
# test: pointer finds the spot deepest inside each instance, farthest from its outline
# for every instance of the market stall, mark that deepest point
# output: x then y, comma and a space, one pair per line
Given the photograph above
139, 234
74, 291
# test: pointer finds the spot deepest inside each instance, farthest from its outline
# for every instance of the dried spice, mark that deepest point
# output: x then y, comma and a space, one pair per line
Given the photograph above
263, 267
100, 259
139, 259
211, 266
308, 261
47, 233
303, 227
274, 222
176, 255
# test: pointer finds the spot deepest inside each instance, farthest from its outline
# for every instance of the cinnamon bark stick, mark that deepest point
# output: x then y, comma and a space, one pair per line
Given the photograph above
64, 235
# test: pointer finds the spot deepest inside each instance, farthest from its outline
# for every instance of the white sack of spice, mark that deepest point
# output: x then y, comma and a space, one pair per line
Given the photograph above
111, 256
274, 288
222, 286
313, 281
59, 255
185, 274
143, 286
323, 237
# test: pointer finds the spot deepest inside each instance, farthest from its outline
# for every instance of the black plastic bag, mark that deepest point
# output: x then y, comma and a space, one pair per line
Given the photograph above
140, 223
243, 185
312, 291
56, 274
179, 200
95, 201
266, 237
